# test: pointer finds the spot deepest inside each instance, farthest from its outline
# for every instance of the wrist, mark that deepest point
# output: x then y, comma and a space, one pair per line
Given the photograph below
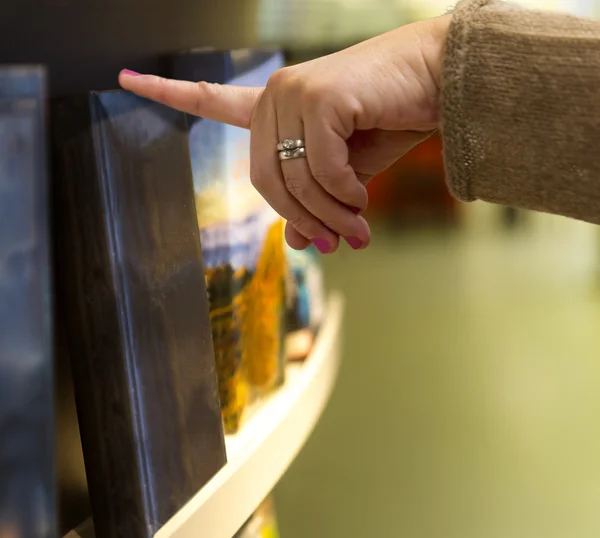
434, 45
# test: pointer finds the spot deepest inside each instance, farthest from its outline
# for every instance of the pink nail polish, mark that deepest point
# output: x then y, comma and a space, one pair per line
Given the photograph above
130, 73
354, 242
321, 244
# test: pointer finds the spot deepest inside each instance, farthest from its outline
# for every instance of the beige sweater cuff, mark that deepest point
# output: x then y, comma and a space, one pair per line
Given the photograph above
521, 108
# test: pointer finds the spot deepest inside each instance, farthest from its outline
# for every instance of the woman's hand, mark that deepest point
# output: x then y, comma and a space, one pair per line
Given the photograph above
358, 110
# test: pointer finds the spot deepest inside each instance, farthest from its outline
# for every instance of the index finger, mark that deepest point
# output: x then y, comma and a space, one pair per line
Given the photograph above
227, 104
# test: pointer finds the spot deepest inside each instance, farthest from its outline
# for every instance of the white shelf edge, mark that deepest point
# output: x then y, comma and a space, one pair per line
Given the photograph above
267, 443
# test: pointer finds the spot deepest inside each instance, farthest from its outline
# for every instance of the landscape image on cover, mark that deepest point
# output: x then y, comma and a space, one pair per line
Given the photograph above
244, 257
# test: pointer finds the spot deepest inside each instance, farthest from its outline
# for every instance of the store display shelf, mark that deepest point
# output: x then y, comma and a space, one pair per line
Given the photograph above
268, 442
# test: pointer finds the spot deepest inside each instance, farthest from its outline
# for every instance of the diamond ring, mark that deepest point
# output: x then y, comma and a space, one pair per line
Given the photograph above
289, 144
292, 154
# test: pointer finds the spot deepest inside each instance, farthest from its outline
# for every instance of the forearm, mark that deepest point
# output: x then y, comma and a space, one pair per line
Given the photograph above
521, 109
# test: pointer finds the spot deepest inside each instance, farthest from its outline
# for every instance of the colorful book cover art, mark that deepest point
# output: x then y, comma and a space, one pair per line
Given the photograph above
305, 301
242, 246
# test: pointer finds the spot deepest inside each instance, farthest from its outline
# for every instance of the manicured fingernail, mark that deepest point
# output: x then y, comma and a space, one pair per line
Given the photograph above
130, 73
321, 244
354, 242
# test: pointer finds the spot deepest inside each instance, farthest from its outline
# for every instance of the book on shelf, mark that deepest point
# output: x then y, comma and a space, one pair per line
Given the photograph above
138, 330
27, 493
305, 301
242, 237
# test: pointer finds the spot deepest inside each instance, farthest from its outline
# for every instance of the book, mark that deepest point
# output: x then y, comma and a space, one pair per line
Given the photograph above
305, 301
242, 237
27, 493
137, 324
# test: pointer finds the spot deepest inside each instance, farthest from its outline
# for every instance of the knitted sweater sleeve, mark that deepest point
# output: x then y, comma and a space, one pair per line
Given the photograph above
521, 109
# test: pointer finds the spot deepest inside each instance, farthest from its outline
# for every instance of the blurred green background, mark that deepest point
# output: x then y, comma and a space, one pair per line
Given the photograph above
468, 402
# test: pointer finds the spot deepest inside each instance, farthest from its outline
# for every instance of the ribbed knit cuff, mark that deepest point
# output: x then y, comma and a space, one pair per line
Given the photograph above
454, 127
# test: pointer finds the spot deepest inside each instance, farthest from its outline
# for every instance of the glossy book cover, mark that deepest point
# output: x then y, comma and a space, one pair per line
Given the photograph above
136, 306
242, 237
27, 491
305, 301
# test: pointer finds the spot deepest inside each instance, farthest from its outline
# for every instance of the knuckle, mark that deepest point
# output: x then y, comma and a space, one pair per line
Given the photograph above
296, 187
331, 224
285, 82
161, 86
351, 104
299, 222
314, 92
320, 92
205, 91
279, 78
208, 89
203, 87
326, 177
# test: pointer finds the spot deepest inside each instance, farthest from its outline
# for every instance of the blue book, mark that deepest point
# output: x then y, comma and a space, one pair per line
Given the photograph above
27, 493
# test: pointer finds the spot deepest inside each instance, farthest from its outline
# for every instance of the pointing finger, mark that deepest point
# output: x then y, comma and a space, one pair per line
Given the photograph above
227, 104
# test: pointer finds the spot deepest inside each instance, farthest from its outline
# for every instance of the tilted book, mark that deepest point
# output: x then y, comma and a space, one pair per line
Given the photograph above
133, 285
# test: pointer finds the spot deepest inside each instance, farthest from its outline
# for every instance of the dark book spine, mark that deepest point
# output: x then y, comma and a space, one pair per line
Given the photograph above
27, 493
137, 315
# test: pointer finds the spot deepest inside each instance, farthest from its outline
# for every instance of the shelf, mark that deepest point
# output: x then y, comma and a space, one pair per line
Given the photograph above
265, 446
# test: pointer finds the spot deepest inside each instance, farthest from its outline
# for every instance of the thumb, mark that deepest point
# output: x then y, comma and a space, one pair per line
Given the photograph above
228, 104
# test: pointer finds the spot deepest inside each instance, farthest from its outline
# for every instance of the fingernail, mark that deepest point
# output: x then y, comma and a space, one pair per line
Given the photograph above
321, 244
354, 242
130, 73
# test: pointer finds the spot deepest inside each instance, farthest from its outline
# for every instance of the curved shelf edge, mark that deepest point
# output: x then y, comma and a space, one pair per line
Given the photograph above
265, 446
267, 443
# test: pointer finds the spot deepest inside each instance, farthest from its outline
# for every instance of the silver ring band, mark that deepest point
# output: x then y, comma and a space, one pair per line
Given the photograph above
288, 144
297, 153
